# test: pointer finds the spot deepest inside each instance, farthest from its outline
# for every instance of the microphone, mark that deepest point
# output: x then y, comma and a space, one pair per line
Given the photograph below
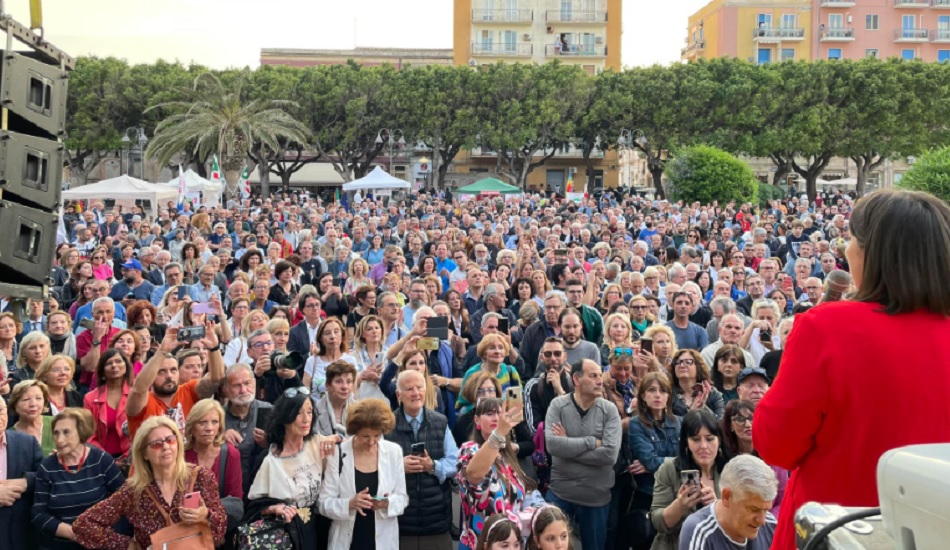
836, 284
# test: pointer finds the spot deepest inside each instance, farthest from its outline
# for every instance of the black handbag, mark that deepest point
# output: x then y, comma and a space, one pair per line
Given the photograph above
233, 506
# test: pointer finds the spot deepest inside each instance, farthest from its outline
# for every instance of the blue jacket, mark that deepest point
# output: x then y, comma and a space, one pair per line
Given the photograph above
651, 446
23, 458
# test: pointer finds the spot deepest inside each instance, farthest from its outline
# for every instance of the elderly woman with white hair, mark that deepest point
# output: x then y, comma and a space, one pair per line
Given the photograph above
34, 349
761, 335
741, 517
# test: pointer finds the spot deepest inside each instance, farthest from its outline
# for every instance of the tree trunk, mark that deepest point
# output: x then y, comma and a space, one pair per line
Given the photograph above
656, 171
263, 172
230, 183
865, 164
590, 171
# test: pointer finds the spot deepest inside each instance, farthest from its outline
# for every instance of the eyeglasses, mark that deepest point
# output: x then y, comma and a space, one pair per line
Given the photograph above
684, 362
485, 391
312, 306
638, 308
261, 345
623, 351
171, 440
290, 393
742, 420
97, 257
550, 354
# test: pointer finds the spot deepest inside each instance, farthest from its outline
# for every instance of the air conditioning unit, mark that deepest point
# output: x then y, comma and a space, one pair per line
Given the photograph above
526, 38
849, 19
550, 30
599, 40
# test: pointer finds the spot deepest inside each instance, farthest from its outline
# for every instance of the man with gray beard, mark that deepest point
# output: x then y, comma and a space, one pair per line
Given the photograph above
241, 418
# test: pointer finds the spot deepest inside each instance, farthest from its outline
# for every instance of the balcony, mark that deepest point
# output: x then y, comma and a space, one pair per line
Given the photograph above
911, 35
694, 49
944, 4
838, 35
574, 50
520, 49
940, 35
769, 34
586, 17
838, 3
502, 16
914, 4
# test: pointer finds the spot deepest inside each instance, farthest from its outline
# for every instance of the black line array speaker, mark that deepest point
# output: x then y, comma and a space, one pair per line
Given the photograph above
33, 98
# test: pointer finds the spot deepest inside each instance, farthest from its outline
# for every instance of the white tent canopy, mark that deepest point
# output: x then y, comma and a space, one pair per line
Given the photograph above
375, 180
195, 183
125, 187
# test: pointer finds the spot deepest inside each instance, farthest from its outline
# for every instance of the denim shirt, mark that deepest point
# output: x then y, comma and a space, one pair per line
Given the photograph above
651, 446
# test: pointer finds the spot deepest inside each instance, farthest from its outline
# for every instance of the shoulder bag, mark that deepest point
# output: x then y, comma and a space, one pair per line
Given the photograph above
179, 536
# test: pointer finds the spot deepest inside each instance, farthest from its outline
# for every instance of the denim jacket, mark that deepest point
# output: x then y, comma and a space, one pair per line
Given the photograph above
651, 446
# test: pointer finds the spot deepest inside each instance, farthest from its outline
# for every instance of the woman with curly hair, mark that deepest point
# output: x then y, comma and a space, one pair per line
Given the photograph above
190, 263
141, 312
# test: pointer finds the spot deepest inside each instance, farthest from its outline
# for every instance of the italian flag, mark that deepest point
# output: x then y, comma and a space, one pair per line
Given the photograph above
215, 170
243, 185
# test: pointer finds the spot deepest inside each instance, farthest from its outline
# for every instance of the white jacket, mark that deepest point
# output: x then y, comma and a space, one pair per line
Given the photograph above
338, 489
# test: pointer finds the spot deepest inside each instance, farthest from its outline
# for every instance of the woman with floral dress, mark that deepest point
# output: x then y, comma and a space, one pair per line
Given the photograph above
490, 480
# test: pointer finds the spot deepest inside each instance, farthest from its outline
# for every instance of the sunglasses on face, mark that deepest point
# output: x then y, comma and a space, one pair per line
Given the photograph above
159, 444
550, 354
623, 351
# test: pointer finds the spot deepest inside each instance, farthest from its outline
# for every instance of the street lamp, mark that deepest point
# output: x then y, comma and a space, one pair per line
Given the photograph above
390, 134
135, 141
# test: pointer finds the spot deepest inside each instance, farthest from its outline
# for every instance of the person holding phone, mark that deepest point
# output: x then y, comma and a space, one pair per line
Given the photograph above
699, 454
365, 490
369, 349
692, 385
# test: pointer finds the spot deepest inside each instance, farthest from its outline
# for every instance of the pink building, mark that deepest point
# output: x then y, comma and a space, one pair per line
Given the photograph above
907, 29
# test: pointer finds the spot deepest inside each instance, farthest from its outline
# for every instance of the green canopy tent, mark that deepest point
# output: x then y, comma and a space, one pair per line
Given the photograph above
489, 185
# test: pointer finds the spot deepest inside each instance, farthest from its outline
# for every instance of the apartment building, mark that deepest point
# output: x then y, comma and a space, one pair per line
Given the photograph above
764, 31
582, 32
576, 32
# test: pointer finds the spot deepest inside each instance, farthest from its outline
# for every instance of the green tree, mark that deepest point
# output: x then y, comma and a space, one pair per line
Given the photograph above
529, 113
218, 117
705, 174
930, 173
97, 113
443, 102
598, 127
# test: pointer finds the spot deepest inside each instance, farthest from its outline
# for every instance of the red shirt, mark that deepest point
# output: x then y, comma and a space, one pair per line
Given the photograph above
83, 345
853, 384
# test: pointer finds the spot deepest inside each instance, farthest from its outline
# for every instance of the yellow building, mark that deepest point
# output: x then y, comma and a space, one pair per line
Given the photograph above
577, 32
397, 57
761, 31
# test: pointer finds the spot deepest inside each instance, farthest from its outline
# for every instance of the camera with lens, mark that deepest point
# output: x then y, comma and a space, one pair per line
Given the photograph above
292, 360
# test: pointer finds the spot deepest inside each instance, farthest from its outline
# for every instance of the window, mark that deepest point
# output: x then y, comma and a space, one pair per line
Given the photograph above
908, 54
511, 41
943, 56
835, 21
871, 22
765, 56
908, 26
834, 53
765, 20
870, 52
788, 21
788, 54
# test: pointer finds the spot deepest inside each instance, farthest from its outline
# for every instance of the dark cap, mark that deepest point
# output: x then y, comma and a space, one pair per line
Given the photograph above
754, 372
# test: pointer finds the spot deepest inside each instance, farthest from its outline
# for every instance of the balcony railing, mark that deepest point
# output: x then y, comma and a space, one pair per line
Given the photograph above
503, 16
912, 35
838, 34
940, 35
575, 50
560, 16
779, 33
838, 3
911, 3
503, 49
940, 4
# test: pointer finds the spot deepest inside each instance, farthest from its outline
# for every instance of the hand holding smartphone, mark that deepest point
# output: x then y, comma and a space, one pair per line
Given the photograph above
191, 500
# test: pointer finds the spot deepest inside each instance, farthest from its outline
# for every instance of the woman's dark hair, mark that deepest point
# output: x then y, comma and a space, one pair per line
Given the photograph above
247, 256
362, 291
422, 263
186, 248
105, 358
644, 414
134, 312
281, 267
692, 423
730, 441
285, 412
727, 350
494, 405
905, 237
672, 255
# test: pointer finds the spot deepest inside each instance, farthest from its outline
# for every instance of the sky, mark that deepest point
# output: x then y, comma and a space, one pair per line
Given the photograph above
231, 33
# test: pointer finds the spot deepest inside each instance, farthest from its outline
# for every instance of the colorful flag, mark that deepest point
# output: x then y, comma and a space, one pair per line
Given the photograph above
181, 189
243, 185
570, 183
215, 170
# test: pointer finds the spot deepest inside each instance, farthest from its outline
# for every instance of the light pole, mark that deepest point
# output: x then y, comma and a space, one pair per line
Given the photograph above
389, 139
135, 141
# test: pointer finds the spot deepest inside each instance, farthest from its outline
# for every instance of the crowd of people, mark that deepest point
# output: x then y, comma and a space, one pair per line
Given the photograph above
268, 369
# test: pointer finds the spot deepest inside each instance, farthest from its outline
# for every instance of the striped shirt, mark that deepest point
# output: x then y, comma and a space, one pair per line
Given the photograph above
702, 531
62, 496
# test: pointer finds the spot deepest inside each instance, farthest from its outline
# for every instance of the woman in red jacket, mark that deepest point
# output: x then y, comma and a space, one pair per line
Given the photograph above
844, 395
107, 402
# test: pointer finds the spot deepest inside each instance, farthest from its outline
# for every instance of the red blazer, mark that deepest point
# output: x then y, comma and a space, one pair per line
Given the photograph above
853, 384
96, 402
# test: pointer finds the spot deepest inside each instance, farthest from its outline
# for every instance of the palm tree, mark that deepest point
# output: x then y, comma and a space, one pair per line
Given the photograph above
215, 118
